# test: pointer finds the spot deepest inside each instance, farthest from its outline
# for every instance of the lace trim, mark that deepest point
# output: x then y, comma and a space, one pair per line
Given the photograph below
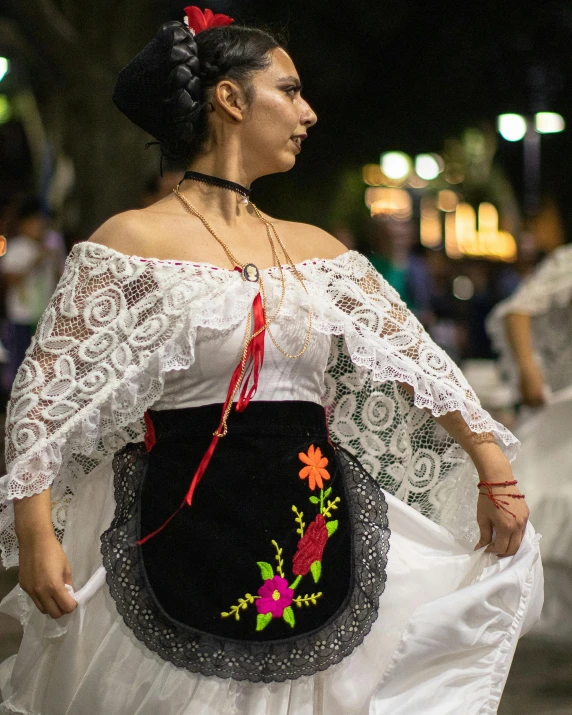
270, 661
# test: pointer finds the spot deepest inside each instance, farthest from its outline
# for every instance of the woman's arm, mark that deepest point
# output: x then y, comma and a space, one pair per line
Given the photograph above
44, 567
492, 466
519, 336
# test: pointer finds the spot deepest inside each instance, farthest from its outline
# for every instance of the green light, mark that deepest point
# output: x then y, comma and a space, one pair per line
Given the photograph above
4, 67
511, 127
5, 109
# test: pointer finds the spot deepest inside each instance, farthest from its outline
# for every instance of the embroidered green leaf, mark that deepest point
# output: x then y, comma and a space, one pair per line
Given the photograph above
314, 500
265, 570
328, 492
279, 559
331, 526
243, 604
307, 599
331, 506
288, 616
263, 620
295, 583
316, 570
299, 521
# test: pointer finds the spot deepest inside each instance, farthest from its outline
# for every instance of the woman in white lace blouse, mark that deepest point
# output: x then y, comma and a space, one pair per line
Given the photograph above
263, 473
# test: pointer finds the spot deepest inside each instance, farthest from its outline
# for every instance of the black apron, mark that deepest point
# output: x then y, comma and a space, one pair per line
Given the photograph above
276, 569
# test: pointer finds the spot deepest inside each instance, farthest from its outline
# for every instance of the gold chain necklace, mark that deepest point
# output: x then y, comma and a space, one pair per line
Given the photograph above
232, 258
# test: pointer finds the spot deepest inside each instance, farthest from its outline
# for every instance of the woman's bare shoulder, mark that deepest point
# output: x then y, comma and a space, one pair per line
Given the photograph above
128, 232
309, 241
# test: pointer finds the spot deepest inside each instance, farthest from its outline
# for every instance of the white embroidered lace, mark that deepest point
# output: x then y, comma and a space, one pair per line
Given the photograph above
546, 296
116, 324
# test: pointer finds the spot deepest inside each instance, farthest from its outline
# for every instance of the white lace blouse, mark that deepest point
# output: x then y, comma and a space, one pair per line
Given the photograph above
123, 334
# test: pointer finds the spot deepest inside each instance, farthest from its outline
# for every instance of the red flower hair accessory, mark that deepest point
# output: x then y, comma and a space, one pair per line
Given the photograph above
197, 21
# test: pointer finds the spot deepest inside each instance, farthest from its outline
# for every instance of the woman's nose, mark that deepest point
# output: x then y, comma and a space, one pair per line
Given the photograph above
309, 117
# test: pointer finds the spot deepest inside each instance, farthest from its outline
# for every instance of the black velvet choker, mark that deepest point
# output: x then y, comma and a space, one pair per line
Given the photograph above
215, 181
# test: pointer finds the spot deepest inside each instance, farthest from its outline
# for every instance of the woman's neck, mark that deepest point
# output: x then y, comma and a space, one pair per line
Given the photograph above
214, 200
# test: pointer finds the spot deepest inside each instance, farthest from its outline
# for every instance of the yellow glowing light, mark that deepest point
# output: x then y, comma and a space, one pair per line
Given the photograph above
466, 230
395, 164
549, 123
511, 127
5, 109
373, 194
451, 245
430, 227
390, 202
4, 67
427, 166
507, 249
447, 200
372, 175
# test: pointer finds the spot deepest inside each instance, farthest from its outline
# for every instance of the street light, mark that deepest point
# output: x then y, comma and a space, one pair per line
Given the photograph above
395, 165
514, 127
4, 66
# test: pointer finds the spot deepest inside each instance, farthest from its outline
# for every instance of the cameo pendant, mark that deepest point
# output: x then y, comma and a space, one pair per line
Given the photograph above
251, 273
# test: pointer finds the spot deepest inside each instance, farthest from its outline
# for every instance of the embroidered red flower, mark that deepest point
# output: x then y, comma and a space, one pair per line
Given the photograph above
198, 21
310, 547
275, 596
314, 470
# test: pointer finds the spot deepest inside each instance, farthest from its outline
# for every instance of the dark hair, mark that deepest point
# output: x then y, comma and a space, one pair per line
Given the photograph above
232, 52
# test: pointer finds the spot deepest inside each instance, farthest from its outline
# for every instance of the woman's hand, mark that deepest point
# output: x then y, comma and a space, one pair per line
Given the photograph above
44, 572
508, 530
531, 385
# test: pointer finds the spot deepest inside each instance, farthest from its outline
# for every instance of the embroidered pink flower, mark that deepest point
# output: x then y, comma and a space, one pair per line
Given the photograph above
275, 596
310, 547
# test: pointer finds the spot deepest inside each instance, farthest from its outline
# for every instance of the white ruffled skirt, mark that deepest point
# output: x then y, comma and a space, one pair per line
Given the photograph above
544, 470
449, 620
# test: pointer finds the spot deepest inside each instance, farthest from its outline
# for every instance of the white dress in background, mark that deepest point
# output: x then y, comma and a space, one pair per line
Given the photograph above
544, 463
449, 618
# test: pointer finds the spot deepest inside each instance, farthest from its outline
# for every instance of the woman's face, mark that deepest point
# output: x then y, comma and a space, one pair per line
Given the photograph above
277, 120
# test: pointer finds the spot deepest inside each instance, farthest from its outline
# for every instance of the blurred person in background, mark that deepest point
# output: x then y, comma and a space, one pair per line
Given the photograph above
257, 551
532, 331
31, 270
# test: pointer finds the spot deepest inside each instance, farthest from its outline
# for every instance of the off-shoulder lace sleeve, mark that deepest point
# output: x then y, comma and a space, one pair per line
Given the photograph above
381, 345
546, 296
114, 326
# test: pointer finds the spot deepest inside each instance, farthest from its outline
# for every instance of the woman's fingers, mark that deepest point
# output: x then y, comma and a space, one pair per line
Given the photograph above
486, 534
64, 601
507, 541
501, 542
53, 601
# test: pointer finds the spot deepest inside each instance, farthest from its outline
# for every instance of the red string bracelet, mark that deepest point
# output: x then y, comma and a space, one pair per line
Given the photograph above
499, 504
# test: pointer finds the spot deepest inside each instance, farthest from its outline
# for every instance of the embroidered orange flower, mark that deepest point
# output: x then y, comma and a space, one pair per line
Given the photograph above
315, 469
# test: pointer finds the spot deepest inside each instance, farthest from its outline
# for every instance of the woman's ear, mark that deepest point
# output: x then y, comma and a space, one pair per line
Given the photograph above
228, 98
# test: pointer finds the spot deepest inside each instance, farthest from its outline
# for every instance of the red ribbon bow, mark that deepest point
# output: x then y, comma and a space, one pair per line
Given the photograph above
199, 21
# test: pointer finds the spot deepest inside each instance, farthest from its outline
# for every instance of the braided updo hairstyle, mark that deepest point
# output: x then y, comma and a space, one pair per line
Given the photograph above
165, 88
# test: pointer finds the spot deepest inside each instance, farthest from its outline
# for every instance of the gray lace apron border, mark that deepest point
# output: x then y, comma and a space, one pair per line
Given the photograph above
267, 661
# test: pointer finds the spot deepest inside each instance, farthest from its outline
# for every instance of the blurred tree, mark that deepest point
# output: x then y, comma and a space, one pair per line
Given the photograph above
84, 46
